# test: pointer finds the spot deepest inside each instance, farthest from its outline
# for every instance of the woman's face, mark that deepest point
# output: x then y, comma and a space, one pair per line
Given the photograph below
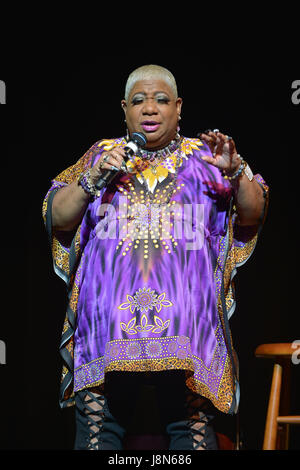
152, 109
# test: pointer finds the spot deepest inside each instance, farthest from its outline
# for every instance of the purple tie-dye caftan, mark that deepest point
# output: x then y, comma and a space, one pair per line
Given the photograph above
149, 274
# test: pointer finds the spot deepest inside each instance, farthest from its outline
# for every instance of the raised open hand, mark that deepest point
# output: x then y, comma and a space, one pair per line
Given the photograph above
223, 149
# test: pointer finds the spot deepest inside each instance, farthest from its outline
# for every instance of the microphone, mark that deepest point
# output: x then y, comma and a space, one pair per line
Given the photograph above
137, 140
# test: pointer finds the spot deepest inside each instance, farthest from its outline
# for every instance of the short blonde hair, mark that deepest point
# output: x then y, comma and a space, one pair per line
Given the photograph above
150, 71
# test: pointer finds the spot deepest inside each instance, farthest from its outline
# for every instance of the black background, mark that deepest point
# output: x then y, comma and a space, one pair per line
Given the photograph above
58, 104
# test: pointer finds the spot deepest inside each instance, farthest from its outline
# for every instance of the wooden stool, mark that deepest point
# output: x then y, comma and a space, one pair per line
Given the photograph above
278, 418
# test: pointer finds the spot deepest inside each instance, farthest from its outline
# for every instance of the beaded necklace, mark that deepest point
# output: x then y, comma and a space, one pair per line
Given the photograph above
163, 154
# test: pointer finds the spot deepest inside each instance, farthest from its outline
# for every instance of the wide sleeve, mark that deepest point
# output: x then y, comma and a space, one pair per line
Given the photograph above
65, 246
237, 246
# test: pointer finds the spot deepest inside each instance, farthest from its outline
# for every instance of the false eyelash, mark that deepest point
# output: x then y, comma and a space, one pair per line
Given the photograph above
137, 100
163, 100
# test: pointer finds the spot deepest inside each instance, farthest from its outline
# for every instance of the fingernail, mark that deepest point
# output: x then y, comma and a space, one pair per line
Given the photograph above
114, 168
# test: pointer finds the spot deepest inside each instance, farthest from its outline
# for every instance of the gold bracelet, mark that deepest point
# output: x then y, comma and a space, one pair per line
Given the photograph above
238, 173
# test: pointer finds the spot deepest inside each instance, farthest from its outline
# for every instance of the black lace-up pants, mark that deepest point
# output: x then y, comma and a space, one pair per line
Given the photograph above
102, 420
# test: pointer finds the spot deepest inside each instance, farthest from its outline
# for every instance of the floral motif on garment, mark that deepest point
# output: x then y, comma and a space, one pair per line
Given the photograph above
145, 299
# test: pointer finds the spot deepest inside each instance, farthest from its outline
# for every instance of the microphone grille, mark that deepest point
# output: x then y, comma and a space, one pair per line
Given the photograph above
139, 138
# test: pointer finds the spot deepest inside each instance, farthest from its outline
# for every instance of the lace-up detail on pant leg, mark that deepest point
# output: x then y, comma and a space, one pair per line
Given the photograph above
96, 427
203, 437
94, 410
193, 431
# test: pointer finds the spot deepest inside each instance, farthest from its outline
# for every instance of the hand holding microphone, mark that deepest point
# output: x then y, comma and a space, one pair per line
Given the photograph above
111, 162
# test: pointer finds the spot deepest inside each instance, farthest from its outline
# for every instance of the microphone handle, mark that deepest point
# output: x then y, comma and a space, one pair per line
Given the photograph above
105, 179
108, 175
